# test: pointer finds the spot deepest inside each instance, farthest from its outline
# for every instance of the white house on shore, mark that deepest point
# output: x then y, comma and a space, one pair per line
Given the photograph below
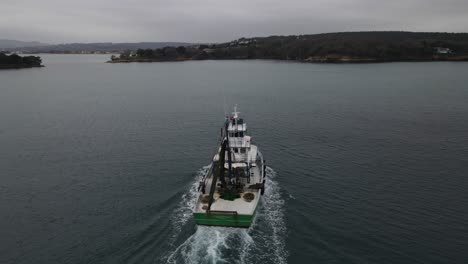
441, 50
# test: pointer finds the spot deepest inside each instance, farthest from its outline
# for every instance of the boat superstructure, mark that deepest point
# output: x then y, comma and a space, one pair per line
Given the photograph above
229, 192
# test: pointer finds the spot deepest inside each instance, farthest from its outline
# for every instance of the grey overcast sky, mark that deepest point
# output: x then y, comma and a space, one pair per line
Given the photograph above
58, 21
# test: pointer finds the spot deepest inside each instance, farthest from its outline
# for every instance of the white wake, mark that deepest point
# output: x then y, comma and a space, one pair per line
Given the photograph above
263, 242
183, 211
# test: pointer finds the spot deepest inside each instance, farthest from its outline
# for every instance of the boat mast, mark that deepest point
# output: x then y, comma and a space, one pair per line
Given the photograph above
228, 151
218, 173
235, 117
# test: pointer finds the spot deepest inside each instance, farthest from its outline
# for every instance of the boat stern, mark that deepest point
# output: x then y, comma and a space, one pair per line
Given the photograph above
223, 218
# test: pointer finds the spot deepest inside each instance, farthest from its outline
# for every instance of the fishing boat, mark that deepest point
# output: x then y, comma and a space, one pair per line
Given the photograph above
229, 193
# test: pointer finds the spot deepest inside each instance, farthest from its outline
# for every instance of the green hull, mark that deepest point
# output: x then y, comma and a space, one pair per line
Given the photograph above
220, 219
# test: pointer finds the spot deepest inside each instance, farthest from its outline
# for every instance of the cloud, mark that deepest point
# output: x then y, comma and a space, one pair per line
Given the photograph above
60, 21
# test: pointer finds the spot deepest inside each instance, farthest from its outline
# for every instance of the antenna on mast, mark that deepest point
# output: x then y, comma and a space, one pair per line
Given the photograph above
235, 114
225, 106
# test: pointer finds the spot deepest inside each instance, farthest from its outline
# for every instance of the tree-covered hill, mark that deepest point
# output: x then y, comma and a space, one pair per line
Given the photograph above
329, 47
15, 61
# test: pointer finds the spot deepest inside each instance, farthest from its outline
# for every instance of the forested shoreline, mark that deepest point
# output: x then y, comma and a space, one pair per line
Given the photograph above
329, 47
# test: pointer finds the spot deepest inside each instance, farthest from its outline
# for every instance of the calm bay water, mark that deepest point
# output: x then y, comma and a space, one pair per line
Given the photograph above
368, 163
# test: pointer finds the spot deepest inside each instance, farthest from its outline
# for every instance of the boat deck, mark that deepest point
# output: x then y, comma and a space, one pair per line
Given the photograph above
239, 205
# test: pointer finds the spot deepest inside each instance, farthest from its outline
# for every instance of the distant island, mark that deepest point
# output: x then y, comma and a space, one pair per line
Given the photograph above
10, 44
345, 47
15, 61
82, 48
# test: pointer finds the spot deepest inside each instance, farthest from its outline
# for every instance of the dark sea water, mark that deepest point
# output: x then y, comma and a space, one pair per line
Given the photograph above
368, 163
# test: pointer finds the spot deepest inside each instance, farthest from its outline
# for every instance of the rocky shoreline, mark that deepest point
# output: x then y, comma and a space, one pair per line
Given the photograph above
18, 66
323, 59
147, 60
